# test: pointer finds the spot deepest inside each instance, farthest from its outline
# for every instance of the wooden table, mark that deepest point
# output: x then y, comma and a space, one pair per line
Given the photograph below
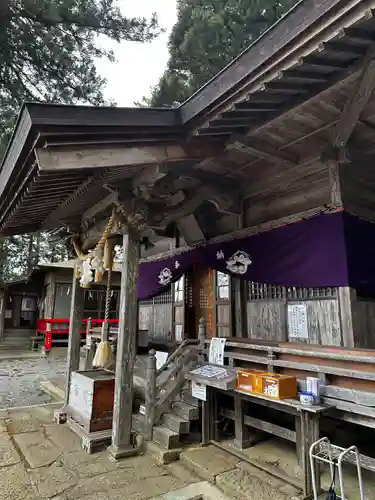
307, 424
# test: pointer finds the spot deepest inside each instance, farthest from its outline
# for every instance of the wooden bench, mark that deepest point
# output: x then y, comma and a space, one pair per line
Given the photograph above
349, 389
307, 426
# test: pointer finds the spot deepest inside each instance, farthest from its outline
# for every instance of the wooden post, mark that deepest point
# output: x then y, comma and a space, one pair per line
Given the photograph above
150, 395
3, 303
240, 313
307, 430
75, 328
347, 298
209, 416
89, 347
126, 350
242, 437
201, 339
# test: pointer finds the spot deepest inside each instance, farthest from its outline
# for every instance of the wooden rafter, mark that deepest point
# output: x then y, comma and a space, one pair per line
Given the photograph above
56, 159
355, 106
261, 149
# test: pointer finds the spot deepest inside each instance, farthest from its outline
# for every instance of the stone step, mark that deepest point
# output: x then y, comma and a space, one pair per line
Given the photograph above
166, 438
185, 411
175, 423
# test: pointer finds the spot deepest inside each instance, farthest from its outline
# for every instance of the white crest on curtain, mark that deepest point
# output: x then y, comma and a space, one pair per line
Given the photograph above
165, 276
239, 262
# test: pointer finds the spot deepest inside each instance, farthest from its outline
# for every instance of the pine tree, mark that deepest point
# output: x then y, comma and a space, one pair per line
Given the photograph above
208, 35
48, 50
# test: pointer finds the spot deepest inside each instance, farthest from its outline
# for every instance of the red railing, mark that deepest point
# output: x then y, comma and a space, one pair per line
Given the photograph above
57, 326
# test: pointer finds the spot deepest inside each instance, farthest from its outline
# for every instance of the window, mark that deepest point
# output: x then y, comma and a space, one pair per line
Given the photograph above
179, 288
222, 285
299, 293
259, 291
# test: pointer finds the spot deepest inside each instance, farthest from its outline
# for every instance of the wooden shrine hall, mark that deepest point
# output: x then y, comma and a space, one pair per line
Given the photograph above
265, 182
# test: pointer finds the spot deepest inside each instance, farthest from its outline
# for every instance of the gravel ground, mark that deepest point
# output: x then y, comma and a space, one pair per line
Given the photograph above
20, 379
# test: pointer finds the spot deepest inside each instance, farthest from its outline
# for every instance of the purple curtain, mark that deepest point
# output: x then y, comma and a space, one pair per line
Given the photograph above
326, 250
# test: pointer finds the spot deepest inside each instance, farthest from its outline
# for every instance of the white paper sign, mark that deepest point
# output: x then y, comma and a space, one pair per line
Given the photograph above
216, 351
297, 321
198, 391
8, 314
142, 410
178, 332
161, 358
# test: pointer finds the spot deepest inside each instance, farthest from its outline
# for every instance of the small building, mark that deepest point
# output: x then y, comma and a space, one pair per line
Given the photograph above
46, 293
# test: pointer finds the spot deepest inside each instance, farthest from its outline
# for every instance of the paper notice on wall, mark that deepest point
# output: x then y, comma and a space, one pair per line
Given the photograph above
297, 321
199, 391
178, 333
8, 314
142, 410
216, 351
161, 358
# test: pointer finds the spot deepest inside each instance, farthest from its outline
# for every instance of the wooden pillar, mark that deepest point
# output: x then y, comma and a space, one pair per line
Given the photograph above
242, 435
3, 304
307, 430
347, 298
346, 295
75, 328
240, 313
89, 347
126, 349
150, 402
209, 416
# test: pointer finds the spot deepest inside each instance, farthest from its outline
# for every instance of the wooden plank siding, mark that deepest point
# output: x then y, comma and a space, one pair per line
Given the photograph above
267, 313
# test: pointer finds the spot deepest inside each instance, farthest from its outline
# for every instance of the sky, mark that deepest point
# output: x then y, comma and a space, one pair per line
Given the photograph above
139, 65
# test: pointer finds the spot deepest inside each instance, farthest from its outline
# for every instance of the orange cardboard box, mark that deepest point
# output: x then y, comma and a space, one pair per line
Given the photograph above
272, 385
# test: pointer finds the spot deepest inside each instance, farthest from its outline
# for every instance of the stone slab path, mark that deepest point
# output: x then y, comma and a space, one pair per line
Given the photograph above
42, 460
20, 378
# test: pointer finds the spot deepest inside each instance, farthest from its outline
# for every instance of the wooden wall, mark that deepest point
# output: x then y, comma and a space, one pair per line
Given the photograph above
267, 314
156, 316
364, 323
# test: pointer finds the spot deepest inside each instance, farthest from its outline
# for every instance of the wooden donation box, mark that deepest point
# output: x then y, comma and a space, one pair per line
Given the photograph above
91, 395
273, 385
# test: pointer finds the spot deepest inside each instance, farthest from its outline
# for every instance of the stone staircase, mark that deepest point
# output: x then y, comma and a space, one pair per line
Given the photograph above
177, 415
177, 426
16, 339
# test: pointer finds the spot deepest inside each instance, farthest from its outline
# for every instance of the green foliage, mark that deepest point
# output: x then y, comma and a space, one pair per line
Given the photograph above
208, 35
47, 53
48, 50
20, 254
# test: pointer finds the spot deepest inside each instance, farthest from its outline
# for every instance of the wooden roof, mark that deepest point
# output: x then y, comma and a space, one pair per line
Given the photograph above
274, 108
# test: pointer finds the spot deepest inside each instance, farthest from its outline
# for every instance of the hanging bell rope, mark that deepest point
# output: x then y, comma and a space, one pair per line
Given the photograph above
104, 356
94, 258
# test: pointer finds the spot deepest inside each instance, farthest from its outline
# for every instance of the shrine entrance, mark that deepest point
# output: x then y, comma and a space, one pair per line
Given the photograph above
208, 296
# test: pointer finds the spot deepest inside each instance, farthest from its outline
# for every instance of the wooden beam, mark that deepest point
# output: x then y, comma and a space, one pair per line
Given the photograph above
190, 230
100, 206
75, 326
355, 105
261, 149
150, 175
126, 349
58, 159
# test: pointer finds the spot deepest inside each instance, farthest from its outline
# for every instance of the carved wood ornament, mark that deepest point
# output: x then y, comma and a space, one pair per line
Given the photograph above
153, 200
